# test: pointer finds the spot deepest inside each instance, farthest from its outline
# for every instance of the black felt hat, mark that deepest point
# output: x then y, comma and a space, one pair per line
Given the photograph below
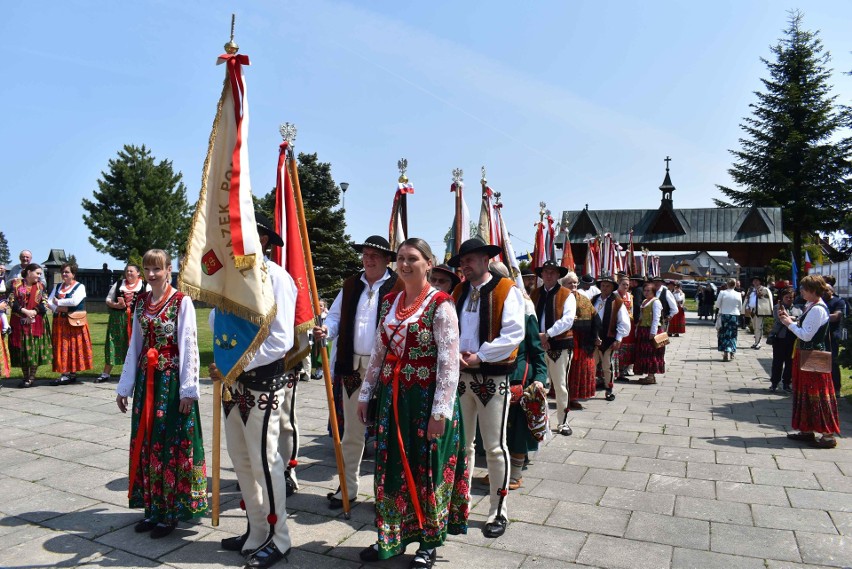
607, 278
587, 279
376, 242
449, 272
266, 227
474, 245
552, 265
639, 278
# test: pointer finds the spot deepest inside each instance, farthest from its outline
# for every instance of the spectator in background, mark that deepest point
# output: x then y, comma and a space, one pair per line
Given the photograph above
14, 272
677, 325
121, 300
29, 343
72, 345
758, 306
730, 306
706, 298
782, 341
836, 316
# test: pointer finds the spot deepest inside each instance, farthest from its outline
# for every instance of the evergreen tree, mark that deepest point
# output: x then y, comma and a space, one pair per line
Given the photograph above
794, 155
139, 205
5, 256
333, 257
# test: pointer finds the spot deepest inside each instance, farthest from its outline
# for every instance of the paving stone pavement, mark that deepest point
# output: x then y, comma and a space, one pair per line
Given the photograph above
693, 472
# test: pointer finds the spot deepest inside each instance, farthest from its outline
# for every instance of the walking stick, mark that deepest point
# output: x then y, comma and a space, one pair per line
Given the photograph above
217, 436
332, 412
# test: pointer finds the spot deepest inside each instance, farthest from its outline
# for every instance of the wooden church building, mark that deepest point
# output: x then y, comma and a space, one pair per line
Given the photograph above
752, 236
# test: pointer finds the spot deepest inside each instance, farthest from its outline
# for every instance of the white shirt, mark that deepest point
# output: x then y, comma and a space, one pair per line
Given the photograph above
141, 286
15, 272
590, 292
729, 302
511, 327
281, 334
71, 301
622, 318
816, 315
569, 312
656, 313
669, 298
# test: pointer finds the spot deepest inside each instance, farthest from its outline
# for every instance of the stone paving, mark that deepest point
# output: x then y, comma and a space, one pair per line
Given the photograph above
692, 472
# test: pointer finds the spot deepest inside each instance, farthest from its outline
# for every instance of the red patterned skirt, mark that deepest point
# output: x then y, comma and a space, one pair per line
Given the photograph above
677, 324
626, 354
814, 401
648, 358
72, 347
581, 376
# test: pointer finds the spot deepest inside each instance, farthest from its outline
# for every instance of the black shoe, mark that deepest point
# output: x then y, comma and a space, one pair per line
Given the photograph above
787, 389
64, 380
266, 557
290, 483
26, 383
621, 379
102, 378
565, 430
235, 543
369, 554
144, 525
495, 528
331, 495
610, 396
162, 530
773, 388
423, 559
337, 503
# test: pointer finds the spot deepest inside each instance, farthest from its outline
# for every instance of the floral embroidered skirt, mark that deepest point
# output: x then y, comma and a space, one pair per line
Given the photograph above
171, 478
581, 376
115, 346
439, 469
814, 401
33, 351
727, 333
649, 359
72, 347
677, 325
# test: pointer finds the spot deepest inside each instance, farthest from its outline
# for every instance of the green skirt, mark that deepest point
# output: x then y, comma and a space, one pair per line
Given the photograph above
171, 477
115, 346
439, 469
34, 351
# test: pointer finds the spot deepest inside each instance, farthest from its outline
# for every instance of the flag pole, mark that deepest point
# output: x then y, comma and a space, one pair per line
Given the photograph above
458, 176
289, 132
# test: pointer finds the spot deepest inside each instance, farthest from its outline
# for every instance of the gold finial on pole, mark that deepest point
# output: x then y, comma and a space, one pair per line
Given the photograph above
402, 164
231, 47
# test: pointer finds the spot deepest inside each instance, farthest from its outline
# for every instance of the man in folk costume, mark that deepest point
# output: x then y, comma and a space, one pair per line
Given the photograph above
556, 309
254, 413
615, 325
353, 320
443, 278
491, 327
759, 305
587, 286
667, 299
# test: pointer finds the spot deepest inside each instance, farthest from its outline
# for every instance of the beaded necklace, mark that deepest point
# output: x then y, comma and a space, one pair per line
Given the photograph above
403, 314
152, 308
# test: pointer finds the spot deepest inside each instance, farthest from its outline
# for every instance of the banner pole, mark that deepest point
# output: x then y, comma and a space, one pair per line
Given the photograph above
217, 446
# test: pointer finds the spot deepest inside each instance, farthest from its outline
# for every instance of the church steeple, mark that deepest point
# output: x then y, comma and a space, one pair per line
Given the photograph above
667, 188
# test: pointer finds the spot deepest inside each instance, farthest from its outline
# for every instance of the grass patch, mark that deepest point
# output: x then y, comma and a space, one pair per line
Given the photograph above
97, 331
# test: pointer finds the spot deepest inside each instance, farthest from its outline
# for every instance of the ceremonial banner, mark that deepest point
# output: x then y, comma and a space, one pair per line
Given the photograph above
460, 231
399, 215
223, 265
794, 270
292, 257
508, 253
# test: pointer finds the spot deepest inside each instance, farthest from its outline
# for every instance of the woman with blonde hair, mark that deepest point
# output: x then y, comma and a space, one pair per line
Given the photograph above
814, 399
168, 473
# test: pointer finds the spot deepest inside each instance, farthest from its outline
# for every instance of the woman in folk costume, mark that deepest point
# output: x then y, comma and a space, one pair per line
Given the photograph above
121, 300
168, 474
626, 354
650, 359
814, 399
677, 324
729, 303
582, 381
421, 480
72, 345
29, 343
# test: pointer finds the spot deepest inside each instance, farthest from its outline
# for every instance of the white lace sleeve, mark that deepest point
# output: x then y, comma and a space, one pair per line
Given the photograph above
377, 356
187, 339
445, 331
131, 361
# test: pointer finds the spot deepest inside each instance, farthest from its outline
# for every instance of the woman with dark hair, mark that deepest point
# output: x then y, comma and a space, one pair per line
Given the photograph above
72, 345
121, 300
782, 343
421, 482
650, 359
29, 343
814, 400
729, 303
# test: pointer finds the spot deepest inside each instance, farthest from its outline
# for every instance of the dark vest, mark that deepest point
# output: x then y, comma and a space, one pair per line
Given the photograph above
549, 305
352, 289
607, 331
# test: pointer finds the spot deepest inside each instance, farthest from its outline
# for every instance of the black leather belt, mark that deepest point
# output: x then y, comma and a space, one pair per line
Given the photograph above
269, 377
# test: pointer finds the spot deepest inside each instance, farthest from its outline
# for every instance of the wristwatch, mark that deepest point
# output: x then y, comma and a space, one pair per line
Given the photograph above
437, 417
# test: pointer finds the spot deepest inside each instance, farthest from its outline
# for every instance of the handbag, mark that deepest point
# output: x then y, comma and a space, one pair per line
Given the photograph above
815, 361
77, 319
661, 340
516, 392
770, 339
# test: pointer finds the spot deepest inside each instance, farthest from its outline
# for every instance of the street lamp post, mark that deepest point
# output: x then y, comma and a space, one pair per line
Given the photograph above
343, 187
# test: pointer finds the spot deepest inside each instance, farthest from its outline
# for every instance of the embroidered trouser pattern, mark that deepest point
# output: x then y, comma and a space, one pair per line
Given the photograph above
288, 440
605, 359
485, 400
252, 429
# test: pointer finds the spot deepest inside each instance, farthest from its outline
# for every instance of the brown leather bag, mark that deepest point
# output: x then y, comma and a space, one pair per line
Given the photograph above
77, 319
661, 339
815, 361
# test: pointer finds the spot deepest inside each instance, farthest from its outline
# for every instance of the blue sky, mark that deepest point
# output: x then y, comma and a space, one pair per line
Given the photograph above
563, 102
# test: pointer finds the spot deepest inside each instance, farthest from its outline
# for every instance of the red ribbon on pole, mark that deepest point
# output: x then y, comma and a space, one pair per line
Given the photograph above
235, 77
143, 429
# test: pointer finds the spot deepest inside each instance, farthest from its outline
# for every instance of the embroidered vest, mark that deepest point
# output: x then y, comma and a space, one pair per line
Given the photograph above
352, 289
549, 305
492, 297
160, 331
647, 314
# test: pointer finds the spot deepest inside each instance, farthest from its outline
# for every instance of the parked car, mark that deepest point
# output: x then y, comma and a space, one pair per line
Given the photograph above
689, 288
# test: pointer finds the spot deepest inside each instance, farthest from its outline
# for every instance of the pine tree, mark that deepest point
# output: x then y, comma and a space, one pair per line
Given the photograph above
793, 154
139, 205
333, 256
5, 256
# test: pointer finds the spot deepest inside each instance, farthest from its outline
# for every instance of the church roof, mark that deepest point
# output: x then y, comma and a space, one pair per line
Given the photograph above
677, 226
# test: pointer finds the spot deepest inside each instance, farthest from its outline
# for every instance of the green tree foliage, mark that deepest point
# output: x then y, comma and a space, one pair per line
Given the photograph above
5, 256
333, 256
793, 154
140, 204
